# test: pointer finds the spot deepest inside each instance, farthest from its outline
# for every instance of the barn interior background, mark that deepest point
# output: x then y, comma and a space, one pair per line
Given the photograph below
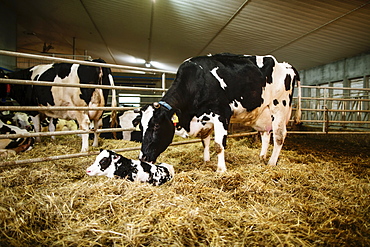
145, 41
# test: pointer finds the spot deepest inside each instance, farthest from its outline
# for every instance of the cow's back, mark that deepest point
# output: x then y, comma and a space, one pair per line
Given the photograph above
214, 83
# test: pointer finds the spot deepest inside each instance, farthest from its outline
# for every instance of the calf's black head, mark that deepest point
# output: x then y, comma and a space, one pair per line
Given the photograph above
158, 130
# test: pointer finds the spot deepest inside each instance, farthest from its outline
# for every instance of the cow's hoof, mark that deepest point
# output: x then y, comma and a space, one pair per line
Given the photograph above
263, 160
221, 170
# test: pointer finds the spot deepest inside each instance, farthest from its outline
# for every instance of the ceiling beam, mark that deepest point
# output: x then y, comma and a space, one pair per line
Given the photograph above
98, 31
224, 26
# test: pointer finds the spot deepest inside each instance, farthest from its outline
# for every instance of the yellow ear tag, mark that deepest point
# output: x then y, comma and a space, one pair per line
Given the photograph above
137, 127
8, 122
175, 119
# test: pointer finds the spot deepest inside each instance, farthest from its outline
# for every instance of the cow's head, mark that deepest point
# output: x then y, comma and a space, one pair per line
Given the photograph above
158, 130
104, 164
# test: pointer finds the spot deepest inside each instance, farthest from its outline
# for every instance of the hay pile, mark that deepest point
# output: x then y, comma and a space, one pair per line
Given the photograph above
319, 194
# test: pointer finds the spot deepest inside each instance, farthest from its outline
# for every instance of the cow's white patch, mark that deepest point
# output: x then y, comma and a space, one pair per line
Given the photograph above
141, 174
146, 116
182, 133
197, 124
125, 121
114, 97
40, 69
259, 60
222, 82
237, 107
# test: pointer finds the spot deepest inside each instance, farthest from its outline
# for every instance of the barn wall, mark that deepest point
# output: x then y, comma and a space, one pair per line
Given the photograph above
8, 37
342, 70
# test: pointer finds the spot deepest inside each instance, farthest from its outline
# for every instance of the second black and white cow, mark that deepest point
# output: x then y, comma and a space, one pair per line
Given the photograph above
130, 121
210, 92
19, 119
111, 164
28, 95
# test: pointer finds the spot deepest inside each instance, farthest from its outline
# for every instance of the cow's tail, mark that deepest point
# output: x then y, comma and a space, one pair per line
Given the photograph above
113, 117
298, 112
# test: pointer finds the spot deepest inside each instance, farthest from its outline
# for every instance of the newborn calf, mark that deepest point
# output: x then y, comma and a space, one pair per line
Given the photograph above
111, 164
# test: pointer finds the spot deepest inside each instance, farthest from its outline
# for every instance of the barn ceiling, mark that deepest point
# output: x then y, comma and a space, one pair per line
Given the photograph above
304, 33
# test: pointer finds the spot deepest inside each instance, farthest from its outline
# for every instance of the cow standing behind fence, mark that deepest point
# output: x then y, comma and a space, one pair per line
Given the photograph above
35, 95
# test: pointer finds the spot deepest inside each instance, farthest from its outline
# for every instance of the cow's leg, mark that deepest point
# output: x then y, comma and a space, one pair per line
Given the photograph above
36, 125
279, 133
97, 125
220, 143
52, 126
84, 123
206, 143
265, 138
126, 135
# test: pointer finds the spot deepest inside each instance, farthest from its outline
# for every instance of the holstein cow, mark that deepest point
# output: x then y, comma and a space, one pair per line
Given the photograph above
130, 120
110, 164
28, 95
19, 119
211, 91
14, 145
126, 120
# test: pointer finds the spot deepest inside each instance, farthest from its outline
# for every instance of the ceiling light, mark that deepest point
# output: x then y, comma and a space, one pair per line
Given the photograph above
147, 64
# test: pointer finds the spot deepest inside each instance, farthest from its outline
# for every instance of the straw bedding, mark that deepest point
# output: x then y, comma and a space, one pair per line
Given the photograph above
318, 195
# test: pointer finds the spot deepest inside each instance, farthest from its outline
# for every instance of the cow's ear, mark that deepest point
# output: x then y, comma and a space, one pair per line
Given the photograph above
178, 112
175, 117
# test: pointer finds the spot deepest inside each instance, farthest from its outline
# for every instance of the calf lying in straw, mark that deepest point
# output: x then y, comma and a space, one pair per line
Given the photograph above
13, 146
111, 164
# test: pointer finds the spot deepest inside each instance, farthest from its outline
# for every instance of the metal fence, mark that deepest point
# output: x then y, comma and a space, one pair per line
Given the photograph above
336, 108
326, 110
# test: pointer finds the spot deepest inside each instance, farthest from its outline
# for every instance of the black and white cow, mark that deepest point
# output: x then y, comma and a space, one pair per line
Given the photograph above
28, 95
110, 164
15, 145
210, 92
19, 119
130, 120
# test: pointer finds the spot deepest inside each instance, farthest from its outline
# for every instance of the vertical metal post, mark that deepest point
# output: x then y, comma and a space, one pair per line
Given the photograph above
163, 83
74, 47
366, 104
298, 115
326, 121
325, 113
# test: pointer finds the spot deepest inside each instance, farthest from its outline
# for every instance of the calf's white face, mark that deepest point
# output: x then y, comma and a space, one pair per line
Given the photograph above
103, 165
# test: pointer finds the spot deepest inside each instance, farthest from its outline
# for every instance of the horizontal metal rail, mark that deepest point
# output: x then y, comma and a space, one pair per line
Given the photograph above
89, 63
336, 88
59, 133
63, 108
58, 84
329, 132
333, 110
77, 155
334, 99
335, 121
